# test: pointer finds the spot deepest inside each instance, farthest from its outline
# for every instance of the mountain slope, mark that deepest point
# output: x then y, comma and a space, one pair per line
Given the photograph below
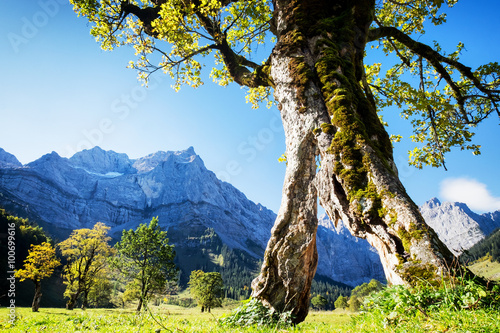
207, 219
456, 225
8, 160
344, 257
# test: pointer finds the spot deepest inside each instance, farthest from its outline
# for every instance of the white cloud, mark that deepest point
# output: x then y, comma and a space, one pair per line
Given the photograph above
471, 192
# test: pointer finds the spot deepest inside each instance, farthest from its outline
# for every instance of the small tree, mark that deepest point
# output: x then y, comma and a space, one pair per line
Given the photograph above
87, 251
318, 302
101, 292
207, 289
341, 302
366, 289
354, 304
145, 256
39, 264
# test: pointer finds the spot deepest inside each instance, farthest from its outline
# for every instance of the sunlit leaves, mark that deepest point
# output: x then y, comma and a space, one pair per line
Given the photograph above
39, 264
443, 99
259, 95
409, 16
175, 39
86, 252
246, 23
441, 119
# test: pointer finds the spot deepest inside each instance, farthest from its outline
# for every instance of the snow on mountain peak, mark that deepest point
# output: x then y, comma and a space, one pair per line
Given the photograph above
151, 161
97, 160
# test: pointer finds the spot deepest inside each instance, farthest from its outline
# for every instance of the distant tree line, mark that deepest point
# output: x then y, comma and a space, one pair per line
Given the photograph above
488, 246
96, 274
358, 294
328, 289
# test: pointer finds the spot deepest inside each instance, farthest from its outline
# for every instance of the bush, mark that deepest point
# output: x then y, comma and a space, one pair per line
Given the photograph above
341, 302
319, 302
426, 308
253, 312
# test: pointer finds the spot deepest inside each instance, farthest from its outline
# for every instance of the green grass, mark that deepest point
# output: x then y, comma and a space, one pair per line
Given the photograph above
487, 321
457, 305
170, 319
177, 319
487, 269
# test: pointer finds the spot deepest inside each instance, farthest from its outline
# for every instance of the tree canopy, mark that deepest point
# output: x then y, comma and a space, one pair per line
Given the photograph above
145, 257
341, 302
319, 302
86, 252
207, 289
39, 264
444, 102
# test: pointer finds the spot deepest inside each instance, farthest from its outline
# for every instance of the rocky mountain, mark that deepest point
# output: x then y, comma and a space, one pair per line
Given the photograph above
205, 217
208, 220
95, 185
344, 257
456, 225
8, 160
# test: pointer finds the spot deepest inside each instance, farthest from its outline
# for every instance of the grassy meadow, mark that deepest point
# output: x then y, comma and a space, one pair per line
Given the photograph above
462, 307
166, 318
486, 268
171, 318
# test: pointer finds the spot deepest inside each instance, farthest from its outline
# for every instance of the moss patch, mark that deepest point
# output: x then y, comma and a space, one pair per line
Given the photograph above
415, 273
407, 236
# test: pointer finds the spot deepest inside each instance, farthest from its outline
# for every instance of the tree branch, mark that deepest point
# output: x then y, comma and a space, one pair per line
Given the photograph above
436, 60
237, 65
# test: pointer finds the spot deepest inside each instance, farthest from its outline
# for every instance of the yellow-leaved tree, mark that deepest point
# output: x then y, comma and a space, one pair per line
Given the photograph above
39, 264
86, 251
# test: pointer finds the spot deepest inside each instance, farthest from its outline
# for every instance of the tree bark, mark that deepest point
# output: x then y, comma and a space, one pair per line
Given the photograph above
139, 306
85, 301
38, 296
317, 67
70, 304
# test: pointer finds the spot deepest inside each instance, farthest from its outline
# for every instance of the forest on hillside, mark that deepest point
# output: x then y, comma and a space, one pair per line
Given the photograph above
237, 270
488, 246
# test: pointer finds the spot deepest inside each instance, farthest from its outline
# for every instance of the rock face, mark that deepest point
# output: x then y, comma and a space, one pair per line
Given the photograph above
8, 160
95, 185
456, 225
344, 257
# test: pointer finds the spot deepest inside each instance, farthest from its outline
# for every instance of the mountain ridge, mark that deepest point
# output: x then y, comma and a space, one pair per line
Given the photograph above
63, 194
457, 225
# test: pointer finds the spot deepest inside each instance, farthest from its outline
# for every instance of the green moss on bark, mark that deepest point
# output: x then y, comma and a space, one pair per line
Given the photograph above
416, 273
408, 236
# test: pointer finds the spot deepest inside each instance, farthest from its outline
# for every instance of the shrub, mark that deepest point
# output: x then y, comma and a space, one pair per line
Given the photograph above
253, 312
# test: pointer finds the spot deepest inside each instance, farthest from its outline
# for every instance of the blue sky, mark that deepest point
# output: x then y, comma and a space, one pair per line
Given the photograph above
60, 92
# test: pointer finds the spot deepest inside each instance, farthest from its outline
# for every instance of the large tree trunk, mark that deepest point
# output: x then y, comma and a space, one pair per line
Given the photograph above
317, 69
38, 296
85, 300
